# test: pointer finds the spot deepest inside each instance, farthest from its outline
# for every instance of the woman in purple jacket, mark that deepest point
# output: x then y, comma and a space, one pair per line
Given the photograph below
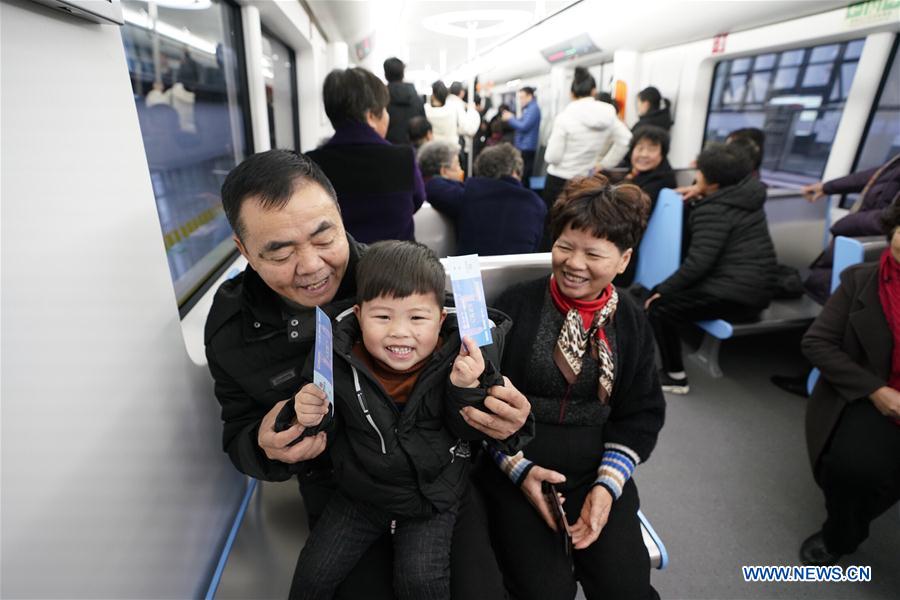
879, 188
378, 185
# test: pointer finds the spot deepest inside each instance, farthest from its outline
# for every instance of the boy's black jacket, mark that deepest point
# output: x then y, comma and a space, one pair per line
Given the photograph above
416, 462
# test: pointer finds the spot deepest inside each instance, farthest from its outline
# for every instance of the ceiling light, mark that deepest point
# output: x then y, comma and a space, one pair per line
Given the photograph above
478, 23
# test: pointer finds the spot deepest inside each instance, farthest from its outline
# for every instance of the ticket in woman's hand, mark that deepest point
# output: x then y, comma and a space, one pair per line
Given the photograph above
468, 295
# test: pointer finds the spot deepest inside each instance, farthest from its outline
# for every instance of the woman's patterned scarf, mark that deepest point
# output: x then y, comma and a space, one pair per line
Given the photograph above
583, 327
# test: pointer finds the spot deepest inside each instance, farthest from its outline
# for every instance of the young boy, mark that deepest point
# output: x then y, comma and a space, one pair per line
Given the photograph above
728, 271
398, 441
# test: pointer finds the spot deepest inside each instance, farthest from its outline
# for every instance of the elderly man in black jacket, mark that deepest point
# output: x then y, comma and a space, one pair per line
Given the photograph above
261, 329
728, 272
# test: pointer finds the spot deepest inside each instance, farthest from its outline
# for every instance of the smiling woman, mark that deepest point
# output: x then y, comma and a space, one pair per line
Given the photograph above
583, 355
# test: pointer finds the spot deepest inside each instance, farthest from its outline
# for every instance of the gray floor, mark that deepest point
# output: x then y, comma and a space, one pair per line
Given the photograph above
728, 485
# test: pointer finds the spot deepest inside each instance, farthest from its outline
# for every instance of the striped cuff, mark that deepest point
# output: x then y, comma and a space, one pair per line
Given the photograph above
515, 467
616, 468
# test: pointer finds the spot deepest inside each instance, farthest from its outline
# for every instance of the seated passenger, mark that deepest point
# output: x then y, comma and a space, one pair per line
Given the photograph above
653, 109
583, 354
420, 131
853, 415
439, 164
397, 437
728, 271
649, 169
753, 141
495, 214
378, 185
878, 188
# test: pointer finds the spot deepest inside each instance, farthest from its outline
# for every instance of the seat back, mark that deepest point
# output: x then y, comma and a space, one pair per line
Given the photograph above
660, 249
435, 229
500, 272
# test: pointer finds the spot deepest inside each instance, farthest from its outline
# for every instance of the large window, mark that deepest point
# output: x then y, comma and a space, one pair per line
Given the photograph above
280, 75
882, 139
795, 96
189, 88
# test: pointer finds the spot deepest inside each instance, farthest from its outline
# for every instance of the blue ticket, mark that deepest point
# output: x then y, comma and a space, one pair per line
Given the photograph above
323, 368
468, 295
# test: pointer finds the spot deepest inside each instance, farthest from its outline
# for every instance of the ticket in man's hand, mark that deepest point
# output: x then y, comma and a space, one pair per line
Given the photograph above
323, 367
468, 295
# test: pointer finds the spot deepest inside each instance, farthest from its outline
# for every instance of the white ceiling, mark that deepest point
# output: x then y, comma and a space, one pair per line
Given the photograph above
397, 27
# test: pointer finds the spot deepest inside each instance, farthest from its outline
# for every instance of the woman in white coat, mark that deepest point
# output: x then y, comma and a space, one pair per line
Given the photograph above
580, 132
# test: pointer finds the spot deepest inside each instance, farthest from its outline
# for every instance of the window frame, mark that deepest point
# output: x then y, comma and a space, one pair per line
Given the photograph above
295, 96
886, 74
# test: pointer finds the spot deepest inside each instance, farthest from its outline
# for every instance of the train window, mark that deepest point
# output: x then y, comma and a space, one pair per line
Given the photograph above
795, 96
882, 138
190, 93
280, 74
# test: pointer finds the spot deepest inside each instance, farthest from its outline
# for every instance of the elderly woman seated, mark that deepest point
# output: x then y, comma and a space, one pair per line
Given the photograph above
493, 212
853, 416
583, 354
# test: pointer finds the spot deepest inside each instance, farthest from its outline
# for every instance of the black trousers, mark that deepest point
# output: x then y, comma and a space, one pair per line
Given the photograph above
553, 186
348, 528
670, 311
528, 168
859, 472
535, 565
474, 571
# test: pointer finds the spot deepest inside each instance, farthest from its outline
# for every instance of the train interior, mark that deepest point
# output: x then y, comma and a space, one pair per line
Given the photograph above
120, 121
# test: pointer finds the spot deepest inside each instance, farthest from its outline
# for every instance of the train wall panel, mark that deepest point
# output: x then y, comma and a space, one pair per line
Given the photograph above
114, 483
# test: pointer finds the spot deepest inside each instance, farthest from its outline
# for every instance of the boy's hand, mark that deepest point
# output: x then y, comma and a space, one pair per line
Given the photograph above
311, 405
468, 366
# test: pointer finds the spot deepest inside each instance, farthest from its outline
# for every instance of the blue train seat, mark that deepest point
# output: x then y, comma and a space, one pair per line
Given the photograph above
660, 249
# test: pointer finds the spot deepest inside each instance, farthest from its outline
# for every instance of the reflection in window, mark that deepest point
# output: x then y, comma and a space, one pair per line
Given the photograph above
817, 75
824, 53
882, 139
791, 58
796, 97
764, 61
187, 85
786, 78
281, 93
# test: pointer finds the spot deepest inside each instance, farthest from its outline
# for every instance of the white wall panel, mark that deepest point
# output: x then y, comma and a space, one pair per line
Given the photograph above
113, 481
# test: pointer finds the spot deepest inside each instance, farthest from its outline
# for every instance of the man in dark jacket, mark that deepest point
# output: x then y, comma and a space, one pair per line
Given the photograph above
405, 102
261, 330
728, 272
494, 213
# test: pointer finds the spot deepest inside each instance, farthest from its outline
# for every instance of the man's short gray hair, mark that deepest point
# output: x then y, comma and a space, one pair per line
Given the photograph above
499, 161
434, 155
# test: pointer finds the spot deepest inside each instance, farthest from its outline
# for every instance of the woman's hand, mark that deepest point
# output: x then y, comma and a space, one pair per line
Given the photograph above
594, 514
688, 192
887, 401
531, 487
468, 366
813, 191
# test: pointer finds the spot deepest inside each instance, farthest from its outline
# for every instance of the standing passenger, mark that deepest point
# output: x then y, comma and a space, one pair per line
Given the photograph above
405, 102
527, 129
443, 117
653, 109
580, 131
378, 185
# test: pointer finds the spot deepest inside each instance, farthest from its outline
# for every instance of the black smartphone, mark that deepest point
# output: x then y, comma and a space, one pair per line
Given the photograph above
551, 497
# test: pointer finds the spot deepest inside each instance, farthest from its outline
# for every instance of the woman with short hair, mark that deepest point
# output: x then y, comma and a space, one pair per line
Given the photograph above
583, 354
378, 184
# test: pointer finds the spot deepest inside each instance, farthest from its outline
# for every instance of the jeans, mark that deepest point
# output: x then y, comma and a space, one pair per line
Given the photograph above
347, 529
